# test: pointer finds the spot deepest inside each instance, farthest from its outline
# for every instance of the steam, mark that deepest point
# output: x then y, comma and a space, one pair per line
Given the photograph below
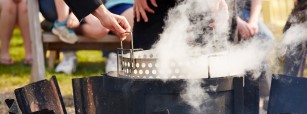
295, 34
187, 38
199, 50
194, 96
195, 44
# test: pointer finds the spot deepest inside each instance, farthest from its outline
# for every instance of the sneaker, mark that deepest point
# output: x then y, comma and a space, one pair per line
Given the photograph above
111, 64
69, 64
65, 34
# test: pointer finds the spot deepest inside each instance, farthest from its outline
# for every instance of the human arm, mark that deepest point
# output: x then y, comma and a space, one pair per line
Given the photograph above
116, 23
219, 13
141, 7
243, 28
256, 6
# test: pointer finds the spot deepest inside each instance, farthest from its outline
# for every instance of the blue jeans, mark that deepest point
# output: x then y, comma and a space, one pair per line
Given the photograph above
48, 10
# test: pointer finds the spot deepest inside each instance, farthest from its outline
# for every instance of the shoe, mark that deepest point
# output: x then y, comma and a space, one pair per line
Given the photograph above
65, 34
111, 64
68, 65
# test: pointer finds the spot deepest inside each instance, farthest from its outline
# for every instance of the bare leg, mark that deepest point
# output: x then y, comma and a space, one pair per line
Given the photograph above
23, 22
129, 16
7, 23
93, 28
62, 10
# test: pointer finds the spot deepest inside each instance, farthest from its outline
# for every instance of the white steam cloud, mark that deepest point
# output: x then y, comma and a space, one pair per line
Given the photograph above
198, 50
194, 47
295, 34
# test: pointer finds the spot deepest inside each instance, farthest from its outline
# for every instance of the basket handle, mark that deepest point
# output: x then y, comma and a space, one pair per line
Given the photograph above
122, 53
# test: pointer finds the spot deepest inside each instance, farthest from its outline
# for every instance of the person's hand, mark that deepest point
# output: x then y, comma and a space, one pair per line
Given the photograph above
72, 21
116, 23
244, 28
253, 28
141, 7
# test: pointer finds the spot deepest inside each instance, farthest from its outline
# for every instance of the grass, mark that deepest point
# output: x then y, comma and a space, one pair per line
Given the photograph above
90, 63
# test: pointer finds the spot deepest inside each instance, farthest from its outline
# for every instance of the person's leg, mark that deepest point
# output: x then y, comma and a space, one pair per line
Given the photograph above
128, 14
303, 61
48, 10
60, 25
7, 23
293, 57
23, 22
92, 28
62, 10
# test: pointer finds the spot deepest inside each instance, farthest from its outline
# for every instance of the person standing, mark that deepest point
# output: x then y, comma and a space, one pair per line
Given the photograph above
14, 13
295, 56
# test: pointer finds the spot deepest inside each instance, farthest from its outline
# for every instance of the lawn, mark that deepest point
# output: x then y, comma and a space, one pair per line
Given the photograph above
90, 63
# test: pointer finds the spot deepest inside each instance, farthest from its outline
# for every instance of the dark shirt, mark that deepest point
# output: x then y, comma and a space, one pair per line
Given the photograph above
82, 8
145, 34
301, 1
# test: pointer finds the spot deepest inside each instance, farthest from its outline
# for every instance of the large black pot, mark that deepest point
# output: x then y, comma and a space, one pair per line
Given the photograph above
114, 95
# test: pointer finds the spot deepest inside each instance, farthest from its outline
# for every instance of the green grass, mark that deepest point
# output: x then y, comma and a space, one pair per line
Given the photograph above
90, 63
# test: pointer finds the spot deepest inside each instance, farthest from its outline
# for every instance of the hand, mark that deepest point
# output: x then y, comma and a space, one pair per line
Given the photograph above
72, 21
244, 28
116, 23
253, 28
141, 7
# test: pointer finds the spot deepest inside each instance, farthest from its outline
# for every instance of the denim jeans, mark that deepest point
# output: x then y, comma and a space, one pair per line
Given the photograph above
48, 10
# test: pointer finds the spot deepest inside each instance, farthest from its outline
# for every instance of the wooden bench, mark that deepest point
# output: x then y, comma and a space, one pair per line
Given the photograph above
53, 44
42, 41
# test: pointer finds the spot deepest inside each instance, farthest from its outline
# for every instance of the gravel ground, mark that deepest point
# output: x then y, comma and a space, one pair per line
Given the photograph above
4, 109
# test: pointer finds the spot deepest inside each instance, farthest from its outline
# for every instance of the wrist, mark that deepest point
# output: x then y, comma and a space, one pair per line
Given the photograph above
101, 12
253, 21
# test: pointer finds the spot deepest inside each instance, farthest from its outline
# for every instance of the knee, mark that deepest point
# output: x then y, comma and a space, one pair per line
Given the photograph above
23, 7
9, 6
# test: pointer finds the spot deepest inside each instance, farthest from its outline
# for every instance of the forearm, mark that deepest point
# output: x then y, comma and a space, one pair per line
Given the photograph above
100, 12
82, 8
255, 11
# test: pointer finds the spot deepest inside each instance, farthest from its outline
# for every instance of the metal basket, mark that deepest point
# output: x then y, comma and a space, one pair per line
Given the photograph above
142, 64
139, 63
